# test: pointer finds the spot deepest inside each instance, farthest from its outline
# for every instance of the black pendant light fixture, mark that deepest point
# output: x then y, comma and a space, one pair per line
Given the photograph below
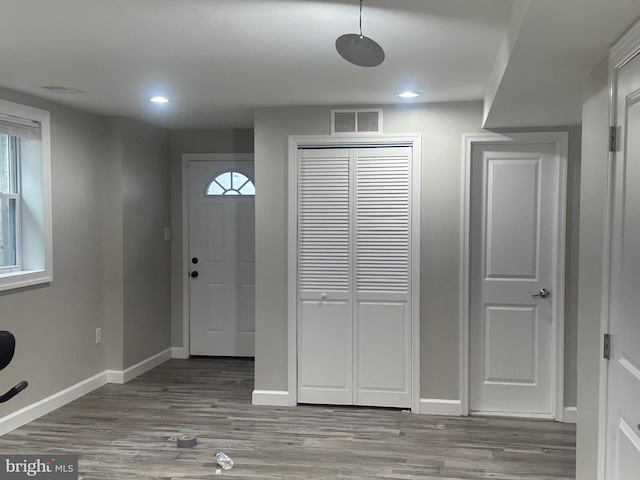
358, 49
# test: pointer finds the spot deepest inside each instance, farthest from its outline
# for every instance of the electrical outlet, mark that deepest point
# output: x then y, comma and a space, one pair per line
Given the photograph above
167, 233
98, 335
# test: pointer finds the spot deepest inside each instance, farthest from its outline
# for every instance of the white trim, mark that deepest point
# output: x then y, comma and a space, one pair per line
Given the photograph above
298, 141
570, 415
437, 406
44, 271
482, 413
273, 398
561, 141
416, 219
47, 405
117, 376
620, 54
179, 352
562, 153
186, 158
114, 376
52, 402
292, 273
624, 51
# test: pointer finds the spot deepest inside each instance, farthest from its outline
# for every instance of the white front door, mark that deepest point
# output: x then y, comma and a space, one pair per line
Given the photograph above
623, 391
354, 271
512, 254
221, 256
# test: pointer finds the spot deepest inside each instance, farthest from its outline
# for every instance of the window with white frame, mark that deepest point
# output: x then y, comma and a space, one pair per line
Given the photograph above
231, 183
25, 198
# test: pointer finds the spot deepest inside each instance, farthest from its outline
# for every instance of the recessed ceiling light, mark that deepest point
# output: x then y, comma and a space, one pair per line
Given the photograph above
159, 100
408, 94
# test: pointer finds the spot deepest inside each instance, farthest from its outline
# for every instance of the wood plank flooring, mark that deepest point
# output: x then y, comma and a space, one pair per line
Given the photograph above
128, 432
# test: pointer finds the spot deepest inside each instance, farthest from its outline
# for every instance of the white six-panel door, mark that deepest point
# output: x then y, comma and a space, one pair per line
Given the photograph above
622, 461
354, 250
511, 332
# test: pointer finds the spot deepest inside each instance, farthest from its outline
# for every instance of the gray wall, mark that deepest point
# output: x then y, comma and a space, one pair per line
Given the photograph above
193, 141
112, 240
442, 127
595, 123
146, 256
572, 269
55, 324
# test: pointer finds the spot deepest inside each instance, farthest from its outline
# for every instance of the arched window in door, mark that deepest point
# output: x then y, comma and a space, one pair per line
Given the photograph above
231, 183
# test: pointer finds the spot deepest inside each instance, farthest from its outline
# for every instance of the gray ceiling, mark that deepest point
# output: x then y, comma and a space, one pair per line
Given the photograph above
219, 59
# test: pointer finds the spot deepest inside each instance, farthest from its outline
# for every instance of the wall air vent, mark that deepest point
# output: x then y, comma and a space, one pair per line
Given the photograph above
356, 121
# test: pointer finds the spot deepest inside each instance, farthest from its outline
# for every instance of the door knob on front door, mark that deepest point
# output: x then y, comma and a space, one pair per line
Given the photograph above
544, 293
194, 274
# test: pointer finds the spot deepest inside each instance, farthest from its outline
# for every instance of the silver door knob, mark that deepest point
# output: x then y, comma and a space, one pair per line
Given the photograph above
544, 293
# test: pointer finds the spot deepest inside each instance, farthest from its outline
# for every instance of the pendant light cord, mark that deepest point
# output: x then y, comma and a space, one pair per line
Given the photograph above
360, 18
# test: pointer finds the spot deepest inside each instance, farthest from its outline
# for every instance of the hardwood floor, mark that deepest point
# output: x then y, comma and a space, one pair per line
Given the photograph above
125, 432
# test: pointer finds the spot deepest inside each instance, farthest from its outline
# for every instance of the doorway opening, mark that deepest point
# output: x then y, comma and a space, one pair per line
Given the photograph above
350, 384
512, 296
218, 255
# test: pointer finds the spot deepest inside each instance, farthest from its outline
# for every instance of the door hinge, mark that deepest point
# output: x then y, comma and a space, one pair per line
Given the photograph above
606, 346
613, 138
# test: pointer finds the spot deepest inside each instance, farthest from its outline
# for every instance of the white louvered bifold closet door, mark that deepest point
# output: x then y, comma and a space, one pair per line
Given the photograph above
382, 325
354, 328
325, 333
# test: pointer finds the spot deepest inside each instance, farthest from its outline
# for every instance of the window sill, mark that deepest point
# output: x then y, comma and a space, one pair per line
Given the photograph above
24, 278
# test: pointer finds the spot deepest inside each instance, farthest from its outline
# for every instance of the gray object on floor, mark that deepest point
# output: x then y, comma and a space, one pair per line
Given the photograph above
186, 441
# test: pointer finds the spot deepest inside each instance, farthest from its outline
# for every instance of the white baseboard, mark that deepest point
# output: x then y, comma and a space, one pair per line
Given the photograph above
533, 416
274, 398
570, 415
116, 376
437, 406
47, 405
51, 403
179, 352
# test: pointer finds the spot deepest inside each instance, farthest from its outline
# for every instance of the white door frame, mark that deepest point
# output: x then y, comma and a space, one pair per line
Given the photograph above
620, 54
561, 141
184, 352
355, 141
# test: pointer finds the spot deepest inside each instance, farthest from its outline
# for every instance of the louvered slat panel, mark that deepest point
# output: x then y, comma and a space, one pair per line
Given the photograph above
382, 224
344, 122
323, 223
356, 121
368, 121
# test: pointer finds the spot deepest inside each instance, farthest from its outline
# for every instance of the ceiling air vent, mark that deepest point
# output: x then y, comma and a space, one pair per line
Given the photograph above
356, 121
60, 89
